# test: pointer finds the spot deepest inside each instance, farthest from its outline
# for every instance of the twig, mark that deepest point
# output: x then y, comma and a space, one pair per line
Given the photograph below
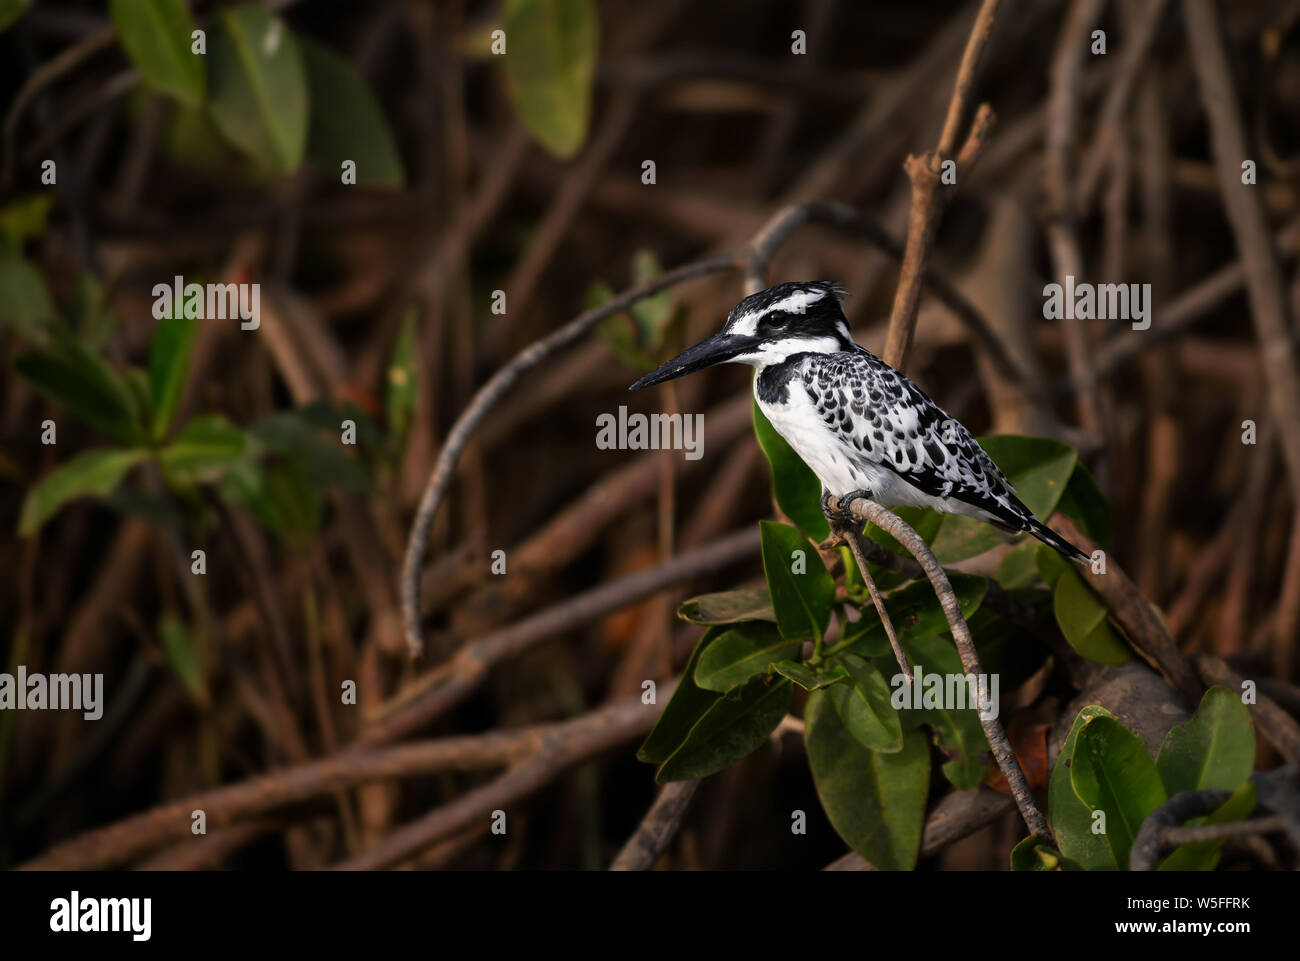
1249, 223
775, 232
487, 396
867, 510
1067, 257
657, 828
544, 749
850, 535
558, 747
441, 689
927, 203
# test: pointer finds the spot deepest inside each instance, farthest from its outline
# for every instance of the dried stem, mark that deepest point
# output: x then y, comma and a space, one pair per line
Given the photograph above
864, 510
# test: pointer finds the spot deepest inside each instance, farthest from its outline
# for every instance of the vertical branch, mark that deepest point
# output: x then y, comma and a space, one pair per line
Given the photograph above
865, 510
927, 200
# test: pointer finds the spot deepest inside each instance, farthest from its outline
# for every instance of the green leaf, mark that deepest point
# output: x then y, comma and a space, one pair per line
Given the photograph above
1020, 566
156, 35
1082, 618
346, 122
654, 314
11, 10
1085, 503
1204, 856
796, 488
92, 472
203, 451
258, 94
684, 708
864, 706
875, 801
934, 660
802, 601
924, 521
402, 389
1035, 854
1112, 772
1214, 751
1071, 818
915, 612
183, 657
734, 726
740, 653
809, 678
729, 607
24, 218
1038, 467
169, 365
82, 384
294, 435
550, 63
25, 303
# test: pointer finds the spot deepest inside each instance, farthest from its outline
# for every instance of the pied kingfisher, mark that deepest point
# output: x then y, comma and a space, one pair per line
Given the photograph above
863, 428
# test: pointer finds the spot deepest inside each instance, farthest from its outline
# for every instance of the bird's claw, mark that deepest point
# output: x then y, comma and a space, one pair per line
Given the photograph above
840, 514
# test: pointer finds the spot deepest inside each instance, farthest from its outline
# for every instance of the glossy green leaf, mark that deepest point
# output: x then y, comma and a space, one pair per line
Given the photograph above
83, 385
156, 36
915, 612
1035, 854
1039, 468
550, 64
1071, 819
1204, 856
1087, 505
1214, 751
1082, 618
875, 801
807, 677
734, 726
684, 708
169, 365
258, 86
92, 472
346, 122
864, 705
937, 701
802, 601
729, 607
1112, 772
203, 451
740, 653
796, 488
1020, 566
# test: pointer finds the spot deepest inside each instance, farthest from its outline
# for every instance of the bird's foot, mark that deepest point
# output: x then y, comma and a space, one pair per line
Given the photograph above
840, 515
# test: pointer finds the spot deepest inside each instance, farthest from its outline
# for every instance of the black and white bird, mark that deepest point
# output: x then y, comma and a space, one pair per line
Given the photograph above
862, 427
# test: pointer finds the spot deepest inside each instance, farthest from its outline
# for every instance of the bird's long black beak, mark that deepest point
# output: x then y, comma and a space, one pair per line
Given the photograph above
718, 348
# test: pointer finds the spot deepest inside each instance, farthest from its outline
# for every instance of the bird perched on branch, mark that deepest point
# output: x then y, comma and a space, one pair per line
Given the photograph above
863, 428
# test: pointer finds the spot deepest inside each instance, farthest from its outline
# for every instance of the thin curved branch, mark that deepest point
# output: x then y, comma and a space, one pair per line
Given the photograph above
657, 828
866, 510
536, 353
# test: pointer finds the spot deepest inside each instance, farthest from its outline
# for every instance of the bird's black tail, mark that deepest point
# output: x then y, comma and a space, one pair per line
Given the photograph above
1055, 540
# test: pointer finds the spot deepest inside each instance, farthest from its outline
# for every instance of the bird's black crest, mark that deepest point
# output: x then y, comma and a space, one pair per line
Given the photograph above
804, 308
